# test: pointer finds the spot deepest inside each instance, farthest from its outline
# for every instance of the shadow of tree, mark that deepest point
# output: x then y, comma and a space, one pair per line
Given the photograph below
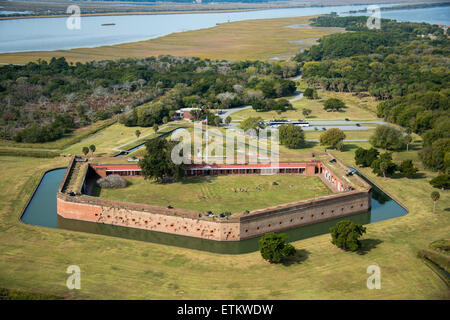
299, 256
198, 179
367, 245
350, 146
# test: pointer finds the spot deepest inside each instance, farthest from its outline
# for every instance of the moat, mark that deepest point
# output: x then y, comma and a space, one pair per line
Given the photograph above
41, 211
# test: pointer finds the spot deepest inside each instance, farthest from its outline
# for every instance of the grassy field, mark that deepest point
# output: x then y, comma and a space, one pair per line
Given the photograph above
356, 109
233, 194
35, 259
350, 135
253, 39
109, 138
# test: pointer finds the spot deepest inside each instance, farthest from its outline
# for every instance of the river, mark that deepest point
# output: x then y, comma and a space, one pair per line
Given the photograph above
46, 34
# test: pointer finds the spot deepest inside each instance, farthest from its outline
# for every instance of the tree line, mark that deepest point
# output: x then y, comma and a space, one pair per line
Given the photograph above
404, 66
143, 91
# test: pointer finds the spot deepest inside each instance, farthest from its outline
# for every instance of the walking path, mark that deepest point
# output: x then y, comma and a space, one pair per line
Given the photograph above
229, 112
119, 148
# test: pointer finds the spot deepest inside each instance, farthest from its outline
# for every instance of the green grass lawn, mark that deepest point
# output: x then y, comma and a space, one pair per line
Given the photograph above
233, 194
356, 109
349, 135
107, 139
34, 259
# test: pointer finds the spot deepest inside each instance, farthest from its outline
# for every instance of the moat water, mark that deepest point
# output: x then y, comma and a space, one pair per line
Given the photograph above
41, 211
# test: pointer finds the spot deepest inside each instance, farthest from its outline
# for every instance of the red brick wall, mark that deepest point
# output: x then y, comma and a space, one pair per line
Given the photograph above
239, 227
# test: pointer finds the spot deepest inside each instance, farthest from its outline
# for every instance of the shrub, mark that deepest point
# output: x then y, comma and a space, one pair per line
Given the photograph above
365, 157
346, 234
384, 166
309, 93
273, 247
441, 181
112, 182
407, 168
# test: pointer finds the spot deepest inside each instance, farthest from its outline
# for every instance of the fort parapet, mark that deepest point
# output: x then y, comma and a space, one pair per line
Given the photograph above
352, 195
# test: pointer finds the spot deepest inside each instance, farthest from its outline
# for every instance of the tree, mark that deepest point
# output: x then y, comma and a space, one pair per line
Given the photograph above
92, 148
157, 162
85, 150
306, 112
254, 123
155, 127
441, 181
213, 120
340, 146
365, 157
332, 137
434, 157
137, 133
196, 113
228, 120
388, 138
309, 93
226, 98
407, 168
273, 247
435, 197
408, 139
384, 165
346, 234
315, 95
291, 136
333, 104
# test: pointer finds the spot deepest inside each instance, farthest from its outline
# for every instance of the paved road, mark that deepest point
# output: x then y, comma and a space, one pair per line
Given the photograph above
344, 128
229, 112
349, 140
298, 96
325, 125
344, 122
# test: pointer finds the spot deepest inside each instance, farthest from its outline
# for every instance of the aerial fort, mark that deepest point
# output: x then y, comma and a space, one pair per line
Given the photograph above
340, 193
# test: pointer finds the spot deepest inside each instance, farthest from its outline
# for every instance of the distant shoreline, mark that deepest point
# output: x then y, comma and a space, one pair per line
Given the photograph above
163, 12
406, 7
138, 13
